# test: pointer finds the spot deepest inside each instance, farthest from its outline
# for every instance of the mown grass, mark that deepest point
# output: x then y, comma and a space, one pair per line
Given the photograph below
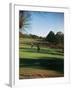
47, 58
27, 52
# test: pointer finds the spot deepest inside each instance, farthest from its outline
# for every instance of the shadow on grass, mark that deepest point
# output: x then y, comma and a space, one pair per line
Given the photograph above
55, 64
34, 50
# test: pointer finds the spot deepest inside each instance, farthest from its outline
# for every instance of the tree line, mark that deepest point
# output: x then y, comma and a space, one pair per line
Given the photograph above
51, 37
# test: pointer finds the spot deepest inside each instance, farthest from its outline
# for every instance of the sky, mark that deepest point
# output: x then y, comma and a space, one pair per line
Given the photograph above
41, 23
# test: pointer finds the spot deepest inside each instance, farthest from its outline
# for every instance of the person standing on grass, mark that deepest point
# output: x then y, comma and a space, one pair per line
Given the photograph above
38, 48
32, 45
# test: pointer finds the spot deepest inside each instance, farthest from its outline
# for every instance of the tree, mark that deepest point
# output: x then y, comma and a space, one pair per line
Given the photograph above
50, 37
24, 18
59, 38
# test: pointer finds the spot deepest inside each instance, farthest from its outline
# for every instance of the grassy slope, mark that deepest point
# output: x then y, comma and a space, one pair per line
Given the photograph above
46, 63
27, 52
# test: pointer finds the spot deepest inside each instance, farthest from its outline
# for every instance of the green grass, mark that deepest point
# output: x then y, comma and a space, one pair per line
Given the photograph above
27, 52
47, 62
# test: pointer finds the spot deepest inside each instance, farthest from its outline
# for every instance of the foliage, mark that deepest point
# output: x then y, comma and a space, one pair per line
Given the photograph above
57, 38
29, 36
50, 37
24, 18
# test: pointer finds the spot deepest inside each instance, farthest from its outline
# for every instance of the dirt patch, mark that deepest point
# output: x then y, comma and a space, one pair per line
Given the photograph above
29, 73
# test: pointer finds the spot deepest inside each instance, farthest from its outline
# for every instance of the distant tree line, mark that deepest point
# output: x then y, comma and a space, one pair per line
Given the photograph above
29, 36
53, 38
